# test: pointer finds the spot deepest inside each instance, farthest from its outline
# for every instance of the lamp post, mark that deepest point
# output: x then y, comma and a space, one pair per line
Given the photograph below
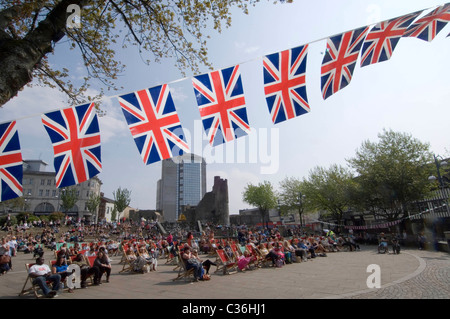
301, 197
438, 164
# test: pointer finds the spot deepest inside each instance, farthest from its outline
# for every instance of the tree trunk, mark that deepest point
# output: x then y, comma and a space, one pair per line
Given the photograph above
19, 57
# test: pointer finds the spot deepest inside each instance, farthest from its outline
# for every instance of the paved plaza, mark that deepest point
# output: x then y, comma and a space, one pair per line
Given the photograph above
414, 274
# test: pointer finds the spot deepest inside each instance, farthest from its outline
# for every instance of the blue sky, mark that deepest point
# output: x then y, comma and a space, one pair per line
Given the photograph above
408, 93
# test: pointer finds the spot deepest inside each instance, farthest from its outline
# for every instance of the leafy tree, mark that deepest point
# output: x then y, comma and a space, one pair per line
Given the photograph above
292, 195
69, 197
262, 196
330, 190
122, 198
30, 30
17, 203
56, 216
114, 214
391, 173
93, 202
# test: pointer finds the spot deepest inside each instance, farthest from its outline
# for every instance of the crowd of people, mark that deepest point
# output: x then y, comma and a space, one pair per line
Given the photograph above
77, 242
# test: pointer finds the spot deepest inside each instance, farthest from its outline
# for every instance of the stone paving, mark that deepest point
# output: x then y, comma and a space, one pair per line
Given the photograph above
414, 274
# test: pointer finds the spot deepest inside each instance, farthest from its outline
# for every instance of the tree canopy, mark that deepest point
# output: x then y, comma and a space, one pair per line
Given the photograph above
30, 30
262, 196
330, 189
292, 195
69, 198
392, 173
122, 198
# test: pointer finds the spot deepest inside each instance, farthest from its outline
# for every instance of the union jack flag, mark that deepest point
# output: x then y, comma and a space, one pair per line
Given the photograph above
340, 60
220, 98
154, 124
383, 38
75, 135
429, 26
284, 83
10, 162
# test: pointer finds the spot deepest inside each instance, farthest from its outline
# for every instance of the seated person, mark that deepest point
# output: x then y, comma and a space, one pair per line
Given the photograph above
103, 263
60, 268
244, 261
86, 270
301, 250
41, 273
192, 261
263, 250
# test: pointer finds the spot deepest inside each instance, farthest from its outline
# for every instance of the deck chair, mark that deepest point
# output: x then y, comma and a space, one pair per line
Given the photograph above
128, 264
263, 262
183, 272
28, 286
172, 254
256, 262
226, 266
123, 248
235, 251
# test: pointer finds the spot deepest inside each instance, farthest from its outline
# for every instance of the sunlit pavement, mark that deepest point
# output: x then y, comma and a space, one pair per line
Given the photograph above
412, 274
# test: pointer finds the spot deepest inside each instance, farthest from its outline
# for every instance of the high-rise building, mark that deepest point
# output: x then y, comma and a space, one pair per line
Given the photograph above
182, 183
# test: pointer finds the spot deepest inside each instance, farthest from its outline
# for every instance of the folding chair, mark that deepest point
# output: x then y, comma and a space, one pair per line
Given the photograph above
29, 287
235, 251
256, 260
183, 272
128, 263
227, 267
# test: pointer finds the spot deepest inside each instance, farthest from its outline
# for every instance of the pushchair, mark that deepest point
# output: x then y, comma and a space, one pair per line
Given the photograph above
382, 244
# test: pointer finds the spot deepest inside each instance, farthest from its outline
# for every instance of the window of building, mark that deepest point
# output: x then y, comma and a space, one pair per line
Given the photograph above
47, 192
49, 182
42, 181
41, 192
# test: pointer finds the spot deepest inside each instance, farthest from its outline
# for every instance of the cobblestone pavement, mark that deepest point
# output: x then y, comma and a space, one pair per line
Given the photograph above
413, 274
430, 281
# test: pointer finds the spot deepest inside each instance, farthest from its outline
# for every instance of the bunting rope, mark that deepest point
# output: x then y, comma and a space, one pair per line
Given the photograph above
240, 63
378, 225
153, 121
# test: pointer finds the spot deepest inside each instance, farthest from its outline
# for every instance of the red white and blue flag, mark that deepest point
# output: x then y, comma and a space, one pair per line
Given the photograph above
154, 123
285, 83
429, 26
11, 169
340, 60
383, 38
75, 135
220, 98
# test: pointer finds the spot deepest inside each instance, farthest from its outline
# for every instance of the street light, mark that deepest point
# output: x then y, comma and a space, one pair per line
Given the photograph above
301, 197
438, 164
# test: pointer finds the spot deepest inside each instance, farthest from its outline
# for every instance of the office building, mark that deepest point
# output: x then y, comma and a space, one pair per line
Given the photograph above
182, 183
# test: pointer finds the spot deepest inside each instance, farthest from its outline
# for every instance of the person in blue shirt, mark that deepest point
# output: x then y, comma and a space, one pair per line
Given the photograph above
60, 268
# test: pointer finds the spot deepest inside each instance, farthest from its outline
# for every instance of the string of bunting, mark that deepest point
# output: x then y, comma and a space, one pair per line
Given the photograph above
372, 226
153, 120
